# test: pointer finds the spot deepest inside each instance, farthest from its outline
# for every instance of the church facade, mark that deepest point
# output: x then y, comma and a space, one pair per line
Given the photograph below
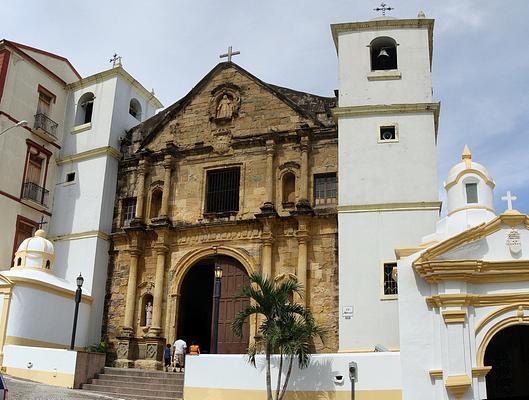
239, 174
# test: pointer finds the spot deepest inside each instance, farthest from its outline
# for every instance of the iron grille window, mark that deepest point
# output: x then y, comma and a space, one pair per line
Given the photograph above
129, 210
222, 190
390, 284
324, 189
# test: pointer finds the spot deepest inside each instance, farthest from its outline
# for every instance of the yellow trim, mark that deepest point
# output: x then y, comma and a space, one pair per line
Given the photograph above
81, 128
81, 235
49, 288
116, 71
107, 150
487, 228
22, 268
51, 378
466, 171
367, 350
477, 372
413, 206
472, 207
385, 24
458, 385
490, 334
3, 321
475, 300
403, 252
503, 310
378, 109
475, 271
436, 373
198, 393
19, 341
383, 75
454, 316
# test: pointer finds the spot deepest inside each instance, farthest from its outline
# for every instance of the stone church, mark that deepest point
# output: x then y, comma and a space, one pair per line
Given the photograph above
239, 174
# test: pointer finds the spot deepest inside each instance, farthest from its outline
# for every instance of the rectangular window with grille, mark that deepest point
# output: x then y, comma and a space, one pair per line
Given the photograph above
325, 189
222, 190
128, 210
390, 284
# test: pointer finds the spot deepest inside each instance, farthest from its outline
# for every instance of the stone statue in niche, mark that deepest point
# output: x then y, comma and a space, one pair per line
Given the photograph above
148, 314
225, 108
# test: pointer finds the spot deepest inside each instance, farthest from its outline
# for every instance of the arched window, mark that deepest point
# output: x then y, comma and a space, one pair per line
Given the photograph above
48, 264
383, 54
19, 261
146, 308
289, 190
85, 106
135, 109
156, 203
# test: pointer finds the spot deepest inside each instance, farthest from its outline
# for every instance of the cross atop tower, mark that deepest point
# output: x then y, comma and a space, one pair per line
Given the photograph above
115, 60
383, 7
41, 223
229, 54
509, 199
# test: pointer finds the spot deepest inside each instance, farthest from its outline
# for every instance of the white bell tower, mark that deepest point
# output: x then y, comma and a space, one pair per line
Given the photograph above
388, 194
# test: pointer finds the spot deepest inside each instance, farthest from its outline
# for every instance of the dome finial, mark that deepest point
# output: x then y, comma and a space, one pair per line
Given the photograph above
421, 14
466, 156
41, 233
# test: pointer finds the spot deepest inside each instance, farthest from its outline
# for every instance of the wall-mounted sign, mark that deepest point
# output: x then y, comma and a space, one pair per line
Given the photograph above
347, 312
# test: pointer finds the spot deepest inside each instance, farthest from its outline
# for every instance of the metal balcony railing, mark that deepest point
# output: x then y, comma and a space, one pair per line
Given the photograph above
35, 193
44, 123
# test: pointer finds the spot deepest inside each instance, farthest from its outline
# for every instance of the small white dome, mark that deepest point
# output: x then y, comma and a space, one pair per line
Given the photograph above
467, 166
35, 252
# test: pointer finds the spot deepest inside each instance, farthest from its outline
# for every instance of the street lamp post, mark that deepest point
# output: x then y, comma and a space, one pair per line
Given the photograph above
80, 281
19, 123
216, 305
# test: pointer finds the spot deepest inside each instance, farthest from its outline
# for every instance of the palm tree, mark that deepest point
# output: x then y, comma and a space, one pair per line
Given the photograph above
286, 328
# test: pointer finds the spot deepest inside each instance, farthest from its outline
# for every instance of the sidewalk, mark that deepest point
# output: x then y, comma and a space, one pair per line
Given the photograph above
20, 389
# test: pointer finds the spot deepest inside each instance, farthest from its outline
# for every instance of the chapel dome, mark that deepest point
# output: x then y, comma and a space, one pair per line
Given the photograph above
35, 252
466, 166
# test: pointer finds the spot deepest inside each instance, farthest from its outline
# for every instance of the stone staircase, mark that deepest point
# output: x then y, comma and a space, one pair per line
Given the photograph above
136, 384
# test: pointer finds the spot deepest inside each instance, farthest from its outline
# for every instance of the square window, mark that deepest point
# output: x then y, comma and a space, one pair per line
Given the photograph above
128, 210
472, 193
390, 284
70, 177
325, 189
222, 190
387, 134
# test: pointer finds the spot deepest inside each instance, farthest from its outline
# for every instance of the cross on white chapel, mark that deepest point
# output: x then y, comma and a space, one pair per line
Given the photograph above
229, 54
509, 199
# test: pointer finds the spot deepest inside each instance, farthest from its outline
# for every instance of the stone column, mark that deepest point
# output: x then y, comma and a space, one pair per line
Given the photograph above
156, 328
267, 239
304, 173
128, 324
270, 150
168, 165
140, 188
302, 235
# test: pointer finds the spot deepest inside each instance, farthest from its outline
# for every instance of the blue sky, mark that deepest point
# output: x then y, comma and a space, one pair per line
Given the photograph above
480, 65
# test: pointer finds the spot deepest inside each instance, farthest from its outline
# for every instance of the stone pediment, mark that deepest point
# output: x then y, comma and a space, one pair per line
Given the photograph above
230, 103
496, 251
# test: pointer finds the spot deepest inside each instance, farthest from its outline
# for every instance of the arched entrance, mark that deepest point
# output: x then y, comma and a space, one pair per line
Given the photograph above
508, 355
195, 315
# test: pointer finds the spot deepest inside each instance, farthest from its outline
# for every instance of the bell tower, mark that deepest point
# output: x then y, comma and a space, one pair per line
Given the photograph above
388, 194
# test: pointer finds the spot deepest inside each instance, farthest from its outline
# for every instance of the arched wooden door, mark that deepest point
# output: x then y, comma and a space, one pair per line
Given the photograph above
234, 277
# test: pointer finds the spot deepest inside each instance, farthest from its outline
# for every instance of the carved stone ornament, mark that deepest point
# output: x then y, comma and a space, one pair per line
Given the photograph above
225, 103
222, 141
514, 241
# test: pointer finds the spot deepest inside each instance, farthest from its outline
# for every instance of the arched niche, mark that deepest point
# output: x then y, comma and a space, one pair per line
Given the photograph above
135, 109
383, 53
85, 107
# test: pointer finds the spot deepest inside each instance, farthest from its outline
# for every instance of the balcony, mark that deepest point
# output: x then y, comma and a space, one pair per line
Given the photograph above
45, 127
35, 194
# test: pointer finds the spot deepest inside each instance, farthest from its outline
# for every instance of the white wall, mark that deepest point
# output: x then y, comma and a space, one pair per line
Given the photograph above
215, 375
413, 62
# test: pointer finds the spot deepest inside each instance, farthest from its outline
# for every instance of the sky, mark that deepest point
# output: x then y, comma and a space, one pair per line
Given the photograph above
480, 63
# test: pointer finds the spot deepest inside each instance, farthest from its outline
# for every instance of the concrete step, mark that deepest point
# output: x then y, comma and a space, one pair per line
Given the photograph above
134, 397
174, 387
151, 392
137, 372
168, 379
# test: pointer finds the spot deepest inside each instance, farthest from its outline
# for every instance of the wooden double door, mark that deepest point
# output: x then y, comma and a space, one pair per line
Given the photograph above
234, 278
196, 320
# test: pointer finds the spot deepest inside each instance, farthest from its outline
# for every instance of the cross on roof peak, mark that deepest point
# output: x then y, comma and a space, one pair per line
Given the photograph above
229, 54
509, 198
115, 60
383, 7
41, 223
